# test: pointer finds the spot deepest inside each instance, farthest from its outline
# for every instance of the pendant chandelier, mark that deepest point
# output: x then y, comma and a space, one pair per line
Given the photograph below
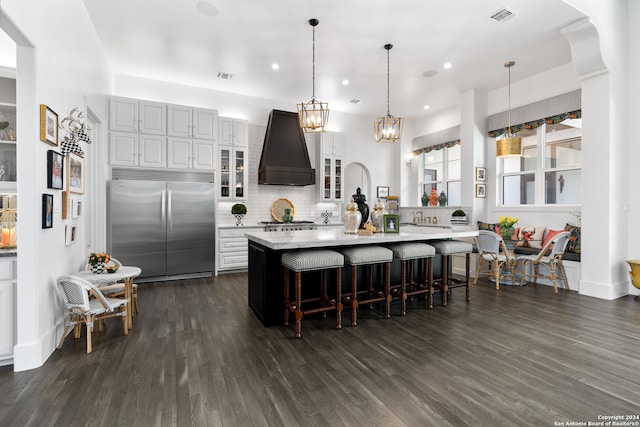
313, 115
511, 144
388, 128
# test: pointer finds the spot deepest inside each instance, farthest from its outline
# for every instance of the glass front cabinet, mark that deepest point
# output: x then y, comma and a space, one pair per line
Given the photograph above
329, 165
232, 180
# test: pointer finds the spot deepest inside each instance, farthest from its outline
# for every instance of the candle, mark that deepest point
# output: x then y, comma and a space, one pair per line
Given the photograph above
12, 236
6, 239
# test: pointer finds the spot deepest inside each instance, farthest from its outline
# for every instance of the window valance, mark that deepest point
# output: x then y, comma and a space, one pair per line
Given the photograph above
537, 123
440, 146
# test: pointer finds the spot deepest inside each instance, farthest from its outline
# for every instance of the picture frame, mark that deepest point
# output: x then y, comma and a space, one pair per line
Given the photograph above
48, 125
76, 208
75, 174
481, 191
383, 192
70, 234
65, 205
391, 223
55, 167
47, 210
481, 174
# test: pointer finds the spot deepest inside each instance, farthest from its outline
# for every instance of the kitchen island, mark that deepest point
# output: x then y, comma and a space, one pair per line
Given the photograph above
265, 278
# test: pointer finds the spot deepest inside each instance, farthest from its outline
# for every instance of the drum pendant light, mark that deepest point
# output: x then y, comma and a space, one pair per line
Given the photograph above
388, 128
313, 115
511, 144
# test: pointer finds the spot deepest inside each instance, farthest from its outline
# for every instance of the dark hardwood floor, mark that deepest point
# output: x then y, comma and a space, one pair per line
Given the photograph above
197, 356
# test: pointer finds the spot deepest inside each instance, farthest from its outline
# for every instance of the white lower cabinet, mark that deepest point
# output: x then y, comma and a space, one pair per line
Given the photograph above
233, 253
7, 309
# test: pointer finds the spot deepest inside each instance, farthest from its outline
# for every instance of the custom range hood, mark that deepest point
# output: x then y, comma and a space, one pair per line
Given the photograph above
285, 160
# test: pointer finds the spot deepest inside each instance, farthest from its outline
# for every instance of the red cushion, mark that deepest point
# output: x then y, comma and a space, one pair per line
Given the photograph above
550, 236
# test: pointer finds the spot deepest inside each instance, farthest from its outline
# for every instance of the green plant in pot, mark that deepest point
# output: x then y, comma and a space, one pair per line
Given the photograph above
459, 217
239, 210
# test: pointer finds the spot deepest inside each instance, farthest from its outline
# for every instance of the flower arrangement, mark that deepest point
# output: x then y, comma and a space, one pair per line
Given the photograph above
507, 221
96, 258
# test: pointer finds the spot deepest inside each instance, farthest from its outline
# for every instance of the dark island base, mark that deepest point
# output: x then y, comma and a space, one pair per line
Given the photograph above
266, 289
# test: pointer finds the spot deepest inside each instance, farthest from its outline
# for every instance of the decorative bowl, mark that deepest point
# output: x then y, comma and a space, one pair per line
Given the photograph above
112, 268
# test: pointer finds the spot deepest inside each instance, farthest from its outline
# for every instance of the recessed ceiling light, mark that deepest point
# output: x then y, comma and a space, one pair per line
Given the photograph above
447, 65
355, 101
207, 9
345, 82
429, 73
426, 107
275, 66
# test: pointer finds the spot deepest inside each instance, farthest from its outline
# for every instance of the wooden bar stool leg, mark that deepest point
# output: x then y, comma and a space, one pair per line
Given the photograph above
403, 288
429, 280
387, 290
298, 309
323, 290
466, 276
286, 296
338, 298
445, 279
354, 295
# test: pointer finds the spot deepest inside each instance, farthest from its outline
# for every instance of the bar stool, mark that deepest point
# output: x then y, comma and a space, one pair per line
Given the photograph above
312, 260
407, 253
447, 248
368, 256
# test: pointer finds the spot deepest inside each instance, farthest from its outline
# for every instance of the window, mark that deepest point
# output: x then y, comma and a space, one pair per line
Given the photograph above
549, 171
442, 172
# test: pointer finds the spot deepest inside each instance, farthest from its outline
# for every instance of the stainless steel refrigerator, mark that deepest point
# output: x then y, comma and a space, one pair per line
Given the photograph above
166, 228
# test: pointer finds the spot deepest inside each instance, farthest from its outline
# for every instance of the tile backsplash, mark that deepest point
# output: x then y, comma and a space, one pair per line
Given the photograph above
261, 197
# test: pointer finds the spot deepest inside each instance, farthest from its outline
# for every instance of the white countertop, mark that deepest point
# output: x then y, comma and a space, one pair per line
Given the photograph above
303, 239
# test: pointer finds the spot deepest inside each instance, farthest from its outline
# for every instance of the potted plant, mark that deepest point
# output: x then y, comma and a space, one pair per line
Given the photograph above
459, 217
98, 262
239, 210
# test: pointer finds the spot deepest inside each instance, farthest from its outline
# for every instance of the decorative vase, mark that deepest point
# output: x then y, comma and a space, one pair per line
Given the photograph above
425, 199
287, 215
98, 267
378, 215
433, 197
361, 201
507, 233
352, 218
239, 219
442, 199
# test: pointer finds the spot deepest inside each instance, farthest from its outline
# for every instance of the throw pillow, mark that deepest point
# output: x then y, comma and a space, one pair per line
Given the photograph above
550, 235
531, 236
487, 226
574, 240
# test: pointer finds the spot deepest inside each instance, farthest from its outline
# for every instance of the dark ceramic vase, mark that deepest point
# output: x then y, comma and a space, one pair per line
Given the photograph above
361, 201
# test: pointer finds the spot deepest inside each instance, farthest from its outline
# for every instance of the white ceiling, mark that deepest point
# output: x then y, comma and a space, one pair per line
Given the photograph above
171, 40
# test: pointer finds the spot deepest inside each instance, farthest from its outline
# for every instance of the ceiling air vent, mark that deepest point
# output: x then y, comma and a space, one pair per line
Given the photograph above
225, 76
503, 14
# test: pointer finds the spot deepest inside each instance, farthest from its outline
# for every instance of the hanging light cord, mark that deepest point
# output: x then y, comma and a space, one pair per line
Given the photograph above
313, 72
388, 72
509, 102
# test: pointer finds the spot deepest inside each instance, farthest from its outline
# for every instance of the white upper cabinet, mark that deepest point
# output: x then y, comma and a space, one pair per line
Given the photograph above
332, 143
329, 164
129, 149
187, 153
233, 131
189, 122
132, 115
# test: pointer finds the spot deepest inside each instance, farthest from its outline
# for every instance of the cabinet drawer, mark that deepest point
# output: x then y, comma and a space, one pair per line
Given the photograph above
7, 268
236, 244
237, 232
233, 260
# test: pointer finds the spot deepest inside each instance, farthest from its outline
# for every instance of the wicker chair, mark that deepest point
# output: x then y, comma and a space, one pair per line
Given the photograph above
76, 293
116, 290
493, 251
555, 249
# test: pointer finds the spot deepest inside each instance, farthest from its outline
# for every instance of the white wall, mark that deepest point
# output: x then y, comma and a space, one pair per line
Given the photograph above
60, 63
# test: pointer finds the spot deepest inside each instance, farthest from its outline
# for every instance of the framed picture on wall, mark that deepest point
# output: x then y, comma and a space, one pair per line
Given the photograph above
481, 191
70, 234
76, 208
55, 164
47, 210
391, 223
383, 192
481, 174
48, 125
75, 174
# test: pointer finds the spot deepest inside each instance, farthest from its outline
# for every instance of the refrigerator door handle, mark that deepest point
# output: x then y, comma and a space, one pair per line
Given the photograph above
163, 211
169, 210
